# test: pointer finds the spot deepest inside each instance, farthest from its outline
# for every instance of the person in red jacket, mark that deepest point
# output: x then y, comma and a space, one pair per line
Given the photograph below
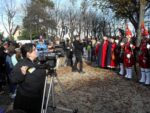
128, 55
113, 63
144, 59
105, 43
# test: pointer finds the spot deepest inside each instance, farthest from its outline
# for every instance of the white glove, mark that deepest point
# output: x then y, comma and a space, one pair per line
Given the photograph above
98, 42
148, 46
131, 45
121, 43
117, 41
6, 51
128, 55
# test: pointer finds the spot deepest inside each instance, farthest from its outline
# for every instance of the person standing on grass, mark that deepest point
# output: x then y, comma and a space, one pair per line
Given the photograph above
78, 51
144, 58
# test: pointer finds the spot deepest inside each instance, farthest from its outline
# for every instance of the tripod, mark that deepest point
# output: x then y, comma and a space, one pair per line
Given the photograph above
51, 91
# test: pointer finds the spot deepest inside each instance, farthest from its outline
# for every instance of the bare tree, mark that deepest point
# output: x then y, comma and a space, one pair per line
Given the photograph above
143, 4
72, 18
84, 16
56, 14
8, 17
133, 10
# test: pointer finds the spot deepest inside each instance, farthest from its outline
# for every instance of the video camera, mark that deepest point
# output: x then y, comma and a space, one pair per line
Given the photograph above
59, 50
49, 59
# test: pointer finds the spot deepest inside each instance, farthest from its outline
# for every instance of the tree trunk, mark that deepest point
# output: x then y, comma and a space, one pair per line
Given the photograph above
141, 19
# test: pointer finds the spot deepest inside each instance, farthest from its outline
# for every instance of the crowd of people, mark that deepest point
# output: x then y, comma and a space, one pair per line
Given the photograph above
18, 63
121, 52
19, 70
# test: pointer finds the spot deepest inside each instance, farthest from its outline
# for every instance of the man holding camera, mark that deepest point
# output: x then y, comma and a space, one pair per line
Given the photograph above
78, 51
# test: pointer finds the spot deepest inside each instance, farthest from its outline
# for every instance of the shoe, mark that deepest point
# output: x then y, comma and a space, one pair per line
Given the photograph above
74, 70
128, 79
147, 85
140, 82
120, 74
126, 76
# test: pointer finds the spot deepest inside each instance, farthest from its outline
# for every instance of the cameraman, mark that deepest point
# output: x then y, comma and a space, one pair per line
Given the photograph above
78, 51
30, 80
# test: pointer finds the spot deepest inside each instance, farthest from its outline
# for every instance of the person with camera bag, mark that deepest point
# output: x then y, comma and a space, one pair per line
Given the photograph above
30, 80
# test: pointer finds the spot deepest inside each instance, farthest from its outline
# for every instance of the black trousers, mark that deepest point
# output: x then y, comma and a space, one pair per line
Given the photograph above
78, 60
28, 104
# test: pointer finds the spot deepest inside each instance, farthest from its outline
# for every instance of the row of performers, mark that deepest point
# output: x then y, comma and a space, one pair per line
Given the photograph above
124, 53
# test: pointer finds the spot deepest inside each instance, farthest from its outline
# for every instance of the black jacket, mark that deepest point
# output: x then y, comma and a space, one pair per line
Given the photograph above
32, 83
78, 48
2, 60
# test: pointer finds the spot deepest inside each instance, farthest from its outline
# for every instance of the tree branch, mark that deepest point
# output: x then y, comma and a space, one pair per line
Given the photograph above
148, 6
4, 25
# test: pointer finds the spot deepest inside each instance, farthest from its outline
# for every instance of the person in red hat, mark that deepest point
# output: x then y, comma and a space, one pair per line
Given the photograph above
112, 62
144, 57
128, 54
